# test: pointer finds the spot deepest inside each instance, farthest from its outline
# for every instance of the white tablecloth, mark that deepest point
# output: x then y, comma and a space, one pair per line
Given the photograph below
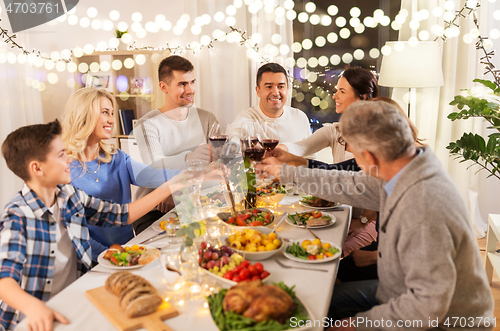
312, 287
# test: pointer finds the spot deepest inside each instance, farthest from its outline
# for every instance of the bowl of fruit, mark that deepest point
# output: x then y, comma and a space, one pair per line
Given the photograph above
223, 264
254, 244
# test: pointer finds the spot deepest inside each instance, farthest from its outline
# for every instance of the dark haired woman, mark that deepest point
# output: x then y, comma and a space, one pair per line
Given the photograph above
355, 84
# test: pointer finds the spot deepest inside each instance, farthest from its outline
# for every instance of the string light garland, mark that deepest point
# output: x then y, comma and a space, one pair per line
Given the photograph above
460, 13
486, 59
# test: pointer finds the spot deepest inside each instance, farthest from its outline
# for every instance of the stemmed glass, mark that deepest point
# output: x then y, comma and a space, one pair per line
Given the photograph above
272, 136
217, 138
251, 143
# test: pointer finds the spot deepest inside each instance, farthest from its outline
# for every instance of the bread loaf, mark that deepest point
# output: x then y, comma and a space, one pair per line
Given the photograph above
136, 295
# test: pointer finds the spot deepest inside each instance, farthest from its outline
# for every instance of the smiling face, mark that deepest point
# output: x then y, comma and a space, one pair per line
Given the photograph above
345, 95
55, 169
272, 91
105, 121
180, 90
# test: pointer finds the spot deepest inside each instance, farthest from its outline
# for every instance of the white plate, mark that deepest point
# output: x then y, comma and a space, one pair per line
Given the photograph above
156, 225
224, 280
303, 204
334, 219
107, 264
293, 258
306, 307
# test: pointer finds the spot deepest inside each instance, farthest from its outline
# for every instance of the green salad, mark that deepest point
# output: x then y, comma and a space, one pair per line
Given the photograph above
227, 321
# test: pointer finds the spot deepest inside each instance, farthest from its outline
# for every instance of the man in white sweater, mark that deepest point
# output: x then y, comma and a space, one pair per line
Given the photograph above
272, 89
169, 136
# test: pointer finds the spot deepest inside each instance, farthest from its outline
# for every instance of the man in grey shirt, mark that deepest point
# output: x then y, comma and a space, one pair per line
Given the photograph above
429, 267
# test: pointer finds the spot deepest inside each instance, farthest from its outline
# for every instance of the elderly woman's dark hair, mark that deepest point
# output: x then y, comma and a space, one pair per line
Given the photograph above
363, 82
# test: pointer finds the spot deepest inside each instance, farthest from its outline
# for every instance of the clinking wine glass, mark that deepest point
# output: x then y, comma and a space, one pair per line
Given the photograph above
249, 135
271, 136
217, 138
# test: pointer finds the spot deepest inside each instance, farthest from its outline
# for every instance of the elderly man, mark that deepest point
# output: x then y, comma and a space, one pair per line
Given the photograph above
429, 266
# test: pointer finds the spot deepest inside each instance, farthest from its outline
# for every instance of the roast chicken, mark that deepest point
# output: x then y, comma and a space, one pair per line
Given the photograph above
258, 301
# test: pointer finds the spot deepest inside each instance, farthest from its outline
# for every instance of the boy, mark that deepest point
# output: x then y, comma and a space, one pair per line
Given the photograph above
44, 239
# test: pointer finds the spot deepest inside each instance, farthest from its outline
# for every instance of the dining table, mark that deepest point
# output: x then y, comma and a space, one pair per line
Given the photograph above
312, 287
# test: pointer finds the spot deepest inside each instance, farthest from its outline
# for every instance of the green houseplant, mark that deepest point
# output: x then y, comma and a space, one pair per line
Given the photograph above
473, 147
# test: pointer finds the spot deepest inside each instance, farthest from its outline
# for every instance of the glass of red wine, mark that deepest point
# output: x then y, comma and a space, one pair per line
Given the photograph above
217, 138
271, 137
249, 135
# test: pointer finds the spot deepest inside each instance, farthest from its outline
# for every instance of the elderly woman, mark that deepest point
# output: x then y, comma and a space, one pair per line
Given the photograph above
100, 169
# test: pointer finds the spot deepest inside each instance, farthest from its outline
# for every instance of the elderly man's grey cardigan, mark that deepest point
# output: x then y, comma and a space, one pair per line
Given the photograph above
429, 265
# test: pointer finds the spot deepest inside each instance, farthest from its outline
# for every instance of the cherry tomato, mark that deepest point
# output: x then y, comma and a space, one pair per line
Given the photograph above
238, 269
268, 216
244, 274
316, 214
256, 277
244, 216
255, 211
241, 222
311, 257
232, 220
259, 267
229, 275
256, 223
245, 263
264, 274
236, 279
114, 260
253, 270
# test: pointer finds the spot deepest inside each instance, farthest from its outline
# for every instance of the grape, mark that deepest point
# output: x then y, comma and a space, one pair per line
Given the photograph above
225, 254
204, 266
210, 264
218, 263
230, 251
215, 256
207, 255
203, 245
225, 260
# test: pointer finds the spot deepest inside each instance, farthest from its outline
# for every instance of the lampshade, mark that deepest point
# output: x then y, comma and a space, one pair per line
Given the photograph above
410, 65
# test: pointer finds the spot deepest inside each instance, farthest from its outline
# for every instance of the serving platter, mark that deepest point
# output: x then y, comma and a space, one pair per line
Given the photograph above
224, 280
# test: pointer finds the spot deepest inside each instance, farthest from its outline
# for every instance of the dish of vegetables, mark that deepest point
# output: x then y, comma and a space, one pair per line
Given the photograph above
269, 190
128, 259
231, 321
315, 219
315, 251
248, 217
318, 203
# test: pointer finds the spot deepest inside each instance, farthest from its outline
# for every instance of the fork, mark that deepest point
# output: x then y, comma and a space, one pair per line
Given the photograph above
297, 219
290, 267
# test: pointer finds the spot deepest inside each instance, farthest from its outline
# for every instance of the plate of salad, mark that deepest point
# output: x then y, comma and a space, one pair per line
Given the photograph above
248, 217
314, 219
123, 260
229, 320
315, 251
318, 203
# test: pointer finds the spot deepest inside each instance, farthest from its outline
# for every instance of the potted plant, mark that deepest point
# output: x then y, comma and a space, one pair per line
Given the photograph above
119, 34
473, 147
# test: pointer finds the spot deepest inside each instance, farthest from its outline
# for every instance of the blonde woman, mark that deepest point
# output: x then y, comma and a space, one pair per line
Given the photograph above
100, 169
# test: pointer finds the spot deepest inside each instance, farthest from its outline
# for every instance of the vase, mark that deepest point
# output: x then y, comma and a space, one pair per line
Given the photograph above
122, 46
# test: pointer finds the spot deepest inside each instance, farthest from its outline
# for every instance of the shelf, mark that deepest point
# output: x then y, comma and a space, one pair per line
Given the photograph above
124, 52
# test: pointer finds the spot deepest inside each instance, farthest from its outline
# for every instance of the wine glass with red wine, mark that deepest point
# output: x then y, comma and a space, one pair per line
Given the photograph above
217, 137
271, 137
249, 135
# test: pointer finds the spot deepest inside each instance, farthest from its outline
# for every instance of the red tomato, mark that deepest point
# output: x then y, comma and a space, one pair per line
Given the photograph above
241, 222
232, 220
245, 263
244, 216
253, 270
268, 216
256, 223
229, 275
255, 211
256, 277
316, 214
244, 274
312, 257
259, 267
238, 269
114, 260
264, 274
236, 279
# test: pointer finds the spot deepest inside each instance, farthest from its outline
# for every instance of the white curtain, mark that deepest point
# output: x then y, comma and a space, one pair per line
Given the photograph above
460, 66
20, 105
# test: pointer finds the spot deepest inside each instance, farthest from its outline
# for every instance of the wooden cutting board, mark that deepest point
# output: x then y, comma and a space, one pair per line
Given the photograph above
108, 304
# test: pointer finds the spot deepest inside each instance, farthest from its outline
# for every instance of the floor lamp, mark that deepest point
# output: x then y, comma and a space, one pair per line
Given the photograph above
412, 66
